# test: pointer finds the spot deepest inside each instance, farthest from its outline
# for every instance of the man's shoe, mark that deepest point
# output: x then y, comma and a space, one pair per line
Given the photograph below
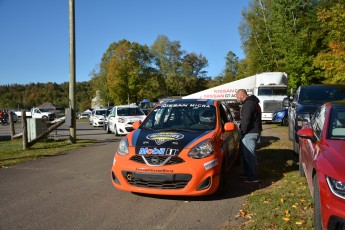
250, 181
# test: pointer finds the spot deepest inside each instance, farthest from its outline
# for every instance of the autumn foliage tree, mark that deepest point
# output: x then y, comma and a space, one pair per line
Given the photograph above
332, 60
283, 36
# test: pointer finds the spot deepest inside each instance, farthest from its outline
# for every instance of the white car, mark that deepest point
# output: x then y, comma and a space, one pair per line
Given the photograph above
83, 115
122, 117
97, 117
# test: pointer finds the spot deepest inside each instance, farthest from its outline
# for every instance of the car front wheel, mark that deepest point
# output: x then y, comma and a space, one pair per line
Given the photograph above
317, 206
300, 166
222, 180
115, 131
285, 121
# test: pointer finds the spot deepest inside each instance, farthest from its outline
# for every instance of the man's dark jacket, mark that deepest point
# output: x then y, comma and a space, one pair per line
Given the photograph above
251, 116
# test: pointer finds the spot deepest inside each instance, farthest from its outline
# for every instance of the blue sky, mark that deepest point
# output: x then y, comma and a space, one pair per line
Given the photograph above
34, 37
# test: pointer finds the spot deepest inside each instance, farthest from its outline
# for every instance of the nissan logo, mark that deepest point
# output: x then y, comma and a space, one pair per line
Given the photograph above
155, 160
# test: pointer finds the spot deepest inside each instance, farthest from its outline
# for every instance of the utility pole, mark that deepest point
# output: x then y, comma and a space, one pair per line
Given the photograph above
72, 129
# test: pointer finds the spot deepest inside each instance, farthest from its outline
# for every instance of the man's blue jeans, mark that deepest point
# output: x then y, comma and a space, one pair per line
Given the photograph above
248, 149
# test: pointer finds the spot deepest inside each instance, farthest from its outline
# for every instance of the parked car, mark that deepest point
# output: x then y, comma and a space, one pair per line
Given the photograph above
183, 147
97, 117
305, 102
106, 117
83, 115
281, 117
322, 162
146, 111
121, 119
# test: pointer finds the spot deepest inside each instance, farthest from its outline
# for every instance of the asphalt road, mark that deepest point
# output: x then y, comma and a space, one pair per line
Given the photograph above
74, 191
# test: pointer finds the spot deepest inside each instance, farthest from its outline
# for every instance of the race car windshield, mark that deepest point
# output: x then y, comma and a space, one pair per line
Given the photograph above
181, 117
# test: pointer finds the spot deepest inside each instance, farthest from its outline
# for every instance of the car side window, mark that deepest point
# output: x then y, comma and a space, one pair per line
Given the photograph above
225, 117
318, 121
228, 113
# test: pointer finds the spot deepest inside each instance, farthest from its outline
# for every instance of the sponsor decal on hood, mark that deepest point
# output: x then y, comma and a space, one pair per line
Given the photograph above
162, 137
164, 143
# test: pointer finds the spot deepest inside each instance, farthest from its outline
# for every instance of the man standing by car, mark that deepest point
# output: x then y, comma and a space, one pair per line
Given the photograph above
250, 128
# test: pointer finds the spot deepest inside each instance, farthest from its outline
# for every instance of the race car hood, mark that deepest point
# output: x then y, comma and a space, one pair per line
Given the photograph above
164, 142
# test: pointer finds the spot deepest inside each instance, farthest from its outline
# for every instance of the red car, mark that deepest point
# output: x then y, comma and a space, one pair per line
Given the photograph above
322, 162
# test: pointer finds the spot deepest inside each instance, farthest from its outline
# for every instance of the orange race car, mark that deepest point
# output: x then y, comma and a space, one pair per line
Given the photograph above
184, 147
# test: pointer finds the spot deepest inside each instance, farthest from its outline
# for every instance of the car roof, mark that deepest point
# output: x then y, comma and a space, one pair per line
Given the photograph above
323, 86
126, 106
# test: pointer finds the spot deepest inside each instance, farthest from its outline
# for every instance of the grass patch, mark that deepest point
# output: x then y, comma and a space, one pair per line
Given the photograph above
284, 202
12, 151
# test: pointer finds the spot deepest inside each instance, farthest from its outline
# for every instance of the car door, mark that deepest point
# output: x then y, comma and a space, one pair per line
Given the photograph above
111, 119
230, 139
313, 147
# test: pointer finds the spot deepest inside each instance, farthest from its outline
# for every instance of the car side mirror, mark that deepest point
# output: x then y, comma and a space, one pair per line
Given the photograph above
230, 126
286, 102
136, 124
306, 133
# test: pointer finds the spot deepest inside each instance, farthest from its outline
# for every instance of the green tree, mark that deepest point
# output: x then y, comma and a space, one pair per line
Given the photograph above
168, 60
282, 36
193, 76
332, 60
128, 70
231, 67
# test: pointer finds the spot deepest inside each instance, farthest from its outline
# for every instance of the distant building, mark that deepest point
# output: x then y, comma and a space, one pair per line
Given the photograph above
96, 102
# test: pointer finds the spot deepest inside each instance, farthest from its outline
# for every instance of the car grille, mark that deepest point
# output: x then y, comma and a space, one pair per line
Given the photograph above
129, 129
271, 106
157, 159
157, 181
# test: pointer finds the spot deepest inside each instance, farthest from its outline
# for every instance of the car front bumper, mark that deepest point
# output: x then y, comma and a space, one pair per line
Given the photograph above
192, 177
332, 207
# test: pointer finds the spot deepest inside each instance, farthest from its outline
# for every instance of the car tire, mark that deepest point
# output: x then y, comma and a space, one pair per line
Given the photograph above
222, 180
115, 131
45, 118
290, 130
300, 166
295, 145
108, 130
317, 204
285, 121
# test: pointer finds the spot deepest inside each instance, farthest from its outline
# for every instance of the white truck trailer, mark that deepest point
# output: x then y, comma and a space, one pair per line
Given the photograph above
269, 87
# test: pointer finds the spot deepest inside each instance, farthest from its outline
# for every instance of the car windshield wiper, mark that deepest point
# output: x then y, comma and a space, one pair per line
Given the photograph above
180, 129
146, 128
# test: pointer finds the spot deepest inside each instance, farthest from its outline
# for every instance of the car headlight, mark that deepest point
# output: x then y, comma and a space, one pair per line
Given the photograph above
303, 118
202, 150
279, 113
121, 120
123, 147
337, 187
